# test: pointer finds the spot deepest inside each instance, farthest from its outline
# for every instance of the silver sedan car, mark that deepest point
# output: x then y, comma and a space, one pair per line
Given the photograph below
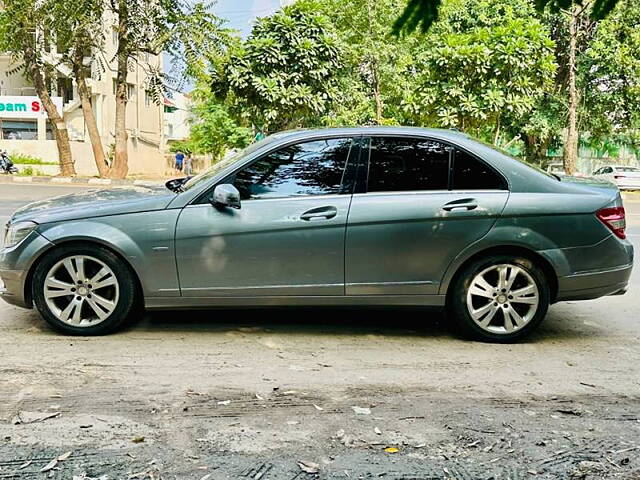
624, 176
350, 216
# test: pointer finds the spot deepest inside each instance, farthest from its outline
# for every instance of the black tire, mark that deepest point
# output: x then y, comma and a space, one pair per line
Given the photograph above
127, 287
457, 299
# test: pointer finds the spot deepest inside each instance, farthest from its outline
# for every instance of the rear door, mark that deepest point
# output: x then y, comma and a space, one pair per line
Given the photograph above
419, 203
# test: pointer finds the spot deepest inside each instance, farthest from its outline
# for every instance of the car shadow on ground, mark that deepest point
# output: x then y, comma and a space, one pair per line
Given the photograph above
307, 321
391, 322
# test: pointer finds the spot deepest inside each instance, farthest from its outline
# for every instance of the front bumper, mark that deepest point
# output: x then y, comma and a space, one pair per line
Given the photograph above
15, 264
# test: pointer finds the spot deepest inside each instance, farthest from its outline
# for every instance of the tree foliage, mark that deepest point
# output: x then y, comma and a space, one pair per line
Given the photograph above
213, 127
377, 65
285, 74
422, 14
479, 75
609, 74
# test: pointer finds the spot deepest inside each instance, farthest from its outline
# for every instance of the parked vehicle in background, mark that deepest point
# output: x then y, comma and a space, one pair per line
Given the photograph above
346, 216
624, 176
6, 165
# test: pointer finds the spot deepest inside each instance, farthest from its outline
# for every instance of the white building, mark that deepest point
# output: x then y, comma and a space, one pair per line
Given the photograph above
176, 117
24, 127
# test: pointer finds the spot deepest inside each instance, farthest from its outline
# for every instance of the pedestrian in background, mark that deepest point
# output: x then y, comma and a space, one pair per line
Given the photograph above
179, 162
188, 165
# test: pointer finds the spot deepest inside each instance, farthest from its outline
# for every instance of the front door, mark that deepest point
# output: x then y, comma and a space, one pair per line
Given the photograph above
288, 236
423, 202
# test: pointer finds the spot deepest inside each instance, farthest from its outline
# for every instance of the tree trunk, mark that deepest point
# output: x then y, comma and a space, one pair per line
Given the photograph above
58, 126
120, 167
570, 153
90, 121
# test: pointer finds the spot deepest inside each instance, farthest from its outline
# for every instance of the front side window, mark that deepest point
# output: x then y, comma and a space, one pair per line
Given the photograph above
469, 173
309, 168
407, 164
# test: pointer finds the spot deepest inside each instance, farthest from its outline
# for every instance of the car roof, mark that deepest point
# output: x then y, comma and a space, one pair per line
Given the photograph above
372, 130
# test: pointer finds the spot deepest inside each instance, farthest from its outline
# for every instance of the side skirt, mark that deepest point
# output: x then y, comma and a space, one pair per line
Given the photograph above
177, 303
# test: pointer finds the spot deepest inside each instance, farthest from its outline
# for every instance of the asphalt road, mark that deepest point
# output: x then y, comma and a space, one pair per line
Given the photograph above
249, 394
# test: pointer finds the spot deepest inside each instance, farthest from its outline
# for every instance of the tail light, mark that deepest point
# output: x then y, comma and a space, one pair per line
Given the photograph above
614, 219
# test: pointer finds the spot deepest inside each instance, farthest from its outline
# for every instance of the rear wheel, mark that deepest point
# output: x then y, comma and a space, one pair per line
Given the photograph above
83, 290
500, 298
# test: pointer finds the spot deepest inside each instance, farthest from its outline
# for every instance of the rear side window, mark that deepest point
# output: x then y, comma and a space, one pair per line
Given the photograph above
469, 173
406, 164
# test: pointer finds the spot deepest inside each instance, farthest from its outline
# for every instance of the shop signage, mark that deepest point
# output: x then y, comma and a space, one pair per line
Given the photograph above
25, 107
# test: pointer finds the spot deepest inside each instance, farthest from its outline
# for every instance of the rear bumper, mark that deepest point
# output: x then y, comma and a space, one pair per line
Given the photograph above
589, 285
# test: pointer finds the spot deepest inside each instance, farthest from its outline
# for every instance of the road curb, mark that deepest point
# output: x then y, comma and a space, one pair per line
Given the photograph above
90, 181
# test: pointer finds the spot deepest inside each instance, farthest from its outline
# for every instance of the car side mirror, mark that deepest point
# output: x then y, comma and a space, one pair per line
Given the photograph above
226, 195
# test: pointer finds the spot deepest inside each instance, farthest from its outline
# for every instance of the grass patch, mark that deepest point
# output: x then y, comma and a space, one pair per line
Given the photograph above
30, 172
24, 159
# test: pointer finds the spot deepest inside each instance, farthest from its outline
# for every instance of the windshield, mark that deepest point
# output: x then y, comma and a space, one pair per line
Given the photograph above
229, 159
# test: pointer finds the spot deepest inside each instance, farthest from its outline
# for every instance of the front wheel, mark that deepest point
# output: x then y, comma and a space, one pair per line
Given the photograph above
500, 298
83, 290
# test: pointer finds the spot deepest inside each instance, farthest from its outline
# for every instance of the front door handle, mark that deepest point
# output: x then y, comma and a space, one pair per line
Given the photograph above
462, 204
319, 213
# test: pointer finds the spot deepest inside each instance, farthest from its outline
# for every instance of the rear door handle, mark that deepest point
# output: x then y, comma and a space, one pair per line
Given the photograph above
319, 213
462, 204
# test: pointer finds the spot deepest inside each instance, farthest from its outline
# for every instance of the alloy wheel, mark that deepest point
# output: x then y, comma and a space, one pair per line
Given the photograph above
502, 298
81, 291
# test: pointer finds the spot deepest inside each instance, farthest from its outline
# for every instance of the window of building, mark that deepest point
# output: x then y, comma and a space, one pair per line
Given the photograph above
114, 36
407, 164
309, 168
148, 98
469, 173
19, 130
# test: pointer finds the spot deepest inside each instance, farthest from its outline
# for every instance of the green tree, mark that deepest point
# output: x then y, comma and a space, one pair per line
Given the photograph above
181, 29
423, 13
609, 75
377, 64
213, 128
483, 68
79, 35
285, 74
25, 32
595, 99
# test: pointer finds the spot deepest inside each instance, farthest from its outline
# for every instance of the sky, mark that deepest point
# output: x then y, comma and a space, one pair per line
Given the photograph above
241, 13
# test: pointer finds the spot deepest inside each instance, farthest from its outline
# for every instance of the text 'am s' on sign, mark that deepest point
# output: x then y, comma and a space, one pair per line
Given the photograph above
25, 107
